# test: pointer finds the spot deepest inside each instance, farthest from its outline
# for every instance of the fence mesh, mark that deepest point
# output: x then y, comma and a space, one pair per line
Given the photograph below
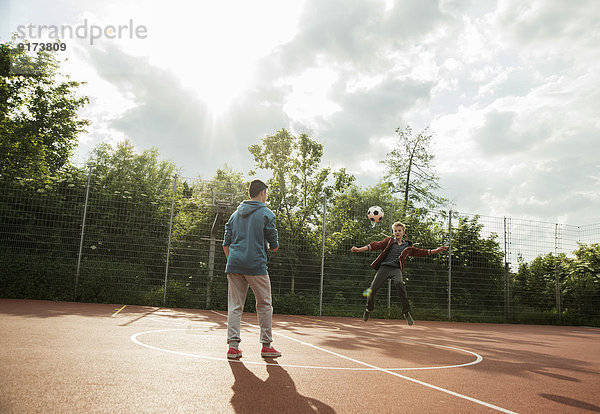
39, 237
109, 237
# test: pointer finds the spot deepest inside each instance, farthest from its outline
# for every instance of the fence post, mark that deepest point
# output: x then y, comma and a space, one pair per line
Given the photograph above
169, 241
322, 256
506, 284
449, 264
389, 296
211, 254
556, 278
85, 204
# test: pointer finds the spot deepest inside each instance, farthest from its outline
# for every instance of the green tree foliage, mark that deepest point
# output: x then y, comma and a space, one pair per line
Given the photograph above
127, 223
122, 166
296, 190
409, 170
477, 268
39, 211
534, 284
39, 121
582, 282
534, 287
39, 240
298, 183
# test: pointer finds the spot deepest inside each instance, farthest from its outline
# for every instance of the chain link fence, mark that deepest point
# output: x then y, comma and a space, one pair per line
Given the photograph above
100, 237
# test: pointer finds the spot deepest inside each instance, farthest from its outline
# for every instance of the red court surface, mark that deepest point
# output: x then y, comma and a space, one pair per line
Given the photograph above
59, 357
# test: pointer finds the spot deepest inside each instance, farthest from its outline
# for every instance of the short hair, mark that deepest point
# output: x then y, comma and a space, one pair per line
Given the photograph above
399, 224
255, 187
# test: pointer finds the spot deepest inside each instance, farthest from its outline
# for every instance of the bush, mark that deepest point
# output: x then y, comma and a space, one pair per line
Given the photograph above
42, 277
110, 281
178, 296
294, 304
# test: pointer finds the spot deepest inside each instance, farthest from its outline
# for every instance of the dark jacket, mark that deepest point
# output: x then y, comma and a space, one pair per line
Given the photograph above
386, 244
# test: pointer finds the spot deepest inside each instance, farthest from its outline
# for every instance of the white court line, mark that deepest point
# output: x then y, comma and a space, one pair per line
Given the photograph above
135, 339
425, 384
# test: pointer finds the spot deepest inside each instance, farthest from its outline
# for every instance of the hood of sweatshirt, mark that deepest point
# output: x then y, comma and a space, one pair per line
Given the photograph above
248, 207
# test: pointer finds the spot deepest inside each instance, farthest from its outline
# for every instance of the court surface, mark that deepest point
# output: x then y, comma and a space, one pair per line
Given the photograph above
73, 357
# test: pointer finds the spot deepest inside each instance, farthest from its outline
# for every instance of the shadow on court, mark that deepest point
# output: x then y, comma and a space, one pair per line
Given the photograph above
277, 394
572, 402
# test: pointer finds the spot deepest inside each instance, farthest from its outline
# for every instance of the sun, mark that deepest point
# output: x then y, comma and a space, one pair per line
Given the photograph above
218, 85
214, 47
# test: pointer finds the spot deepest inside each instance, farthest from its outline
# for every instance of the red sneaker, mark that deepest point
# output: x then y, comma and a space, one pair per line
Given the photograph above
233, 353
269, 352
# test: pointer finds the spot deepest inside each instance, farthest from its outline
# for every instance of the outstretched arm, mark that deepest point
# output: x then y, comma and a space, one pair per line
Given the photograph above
355, 249
438, 250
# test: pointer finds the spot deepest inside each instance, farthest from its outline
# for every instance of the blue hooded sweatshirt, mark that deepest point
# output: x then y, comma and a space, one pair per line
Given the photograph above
247, 233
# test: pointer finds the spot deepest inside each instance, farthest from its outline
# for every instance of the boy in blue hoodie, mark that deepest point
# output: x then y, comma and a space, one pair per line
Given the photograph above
249, 233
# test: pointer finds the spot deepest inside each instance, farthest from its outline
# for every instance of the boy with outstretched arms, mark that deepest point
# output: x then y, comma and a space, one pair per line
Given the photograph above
389, 264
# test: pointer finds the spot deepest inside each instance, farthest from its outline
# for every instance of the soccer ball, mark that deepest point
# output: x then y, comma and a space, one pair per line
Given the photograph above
375, 214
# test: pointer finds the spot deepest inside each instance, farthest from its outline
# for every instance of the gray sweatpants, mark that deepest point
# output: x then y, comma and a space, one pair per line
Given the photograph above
236, 298
384, 273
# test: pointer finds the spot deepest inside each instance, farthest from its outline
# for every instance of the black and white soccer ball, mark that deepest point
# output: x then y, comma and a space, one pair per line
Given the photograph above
375, 214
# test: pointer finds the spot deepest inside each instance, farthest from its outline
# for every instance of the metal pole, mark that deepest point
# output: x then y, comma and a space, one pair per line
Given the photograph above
211, 254
505, 274
85, 204
211, 269
556, 277
322, 257
389, 296
169, 242
449, 263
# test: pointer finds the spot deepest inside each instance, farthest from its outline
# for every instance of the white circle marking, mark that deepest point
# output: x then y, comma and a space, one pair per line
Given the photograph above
478, 358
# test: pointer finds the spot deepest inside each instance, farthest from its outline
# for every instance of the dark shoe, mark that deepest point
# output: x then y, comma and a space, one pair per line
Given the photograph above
409, 319
366, 315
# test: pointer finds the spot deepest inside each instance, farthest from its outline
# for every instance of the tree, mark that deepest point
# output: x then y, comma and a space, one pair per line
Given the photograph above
581, 282
534, 286
296, 189
121, 166
40, 234
410, 171
127, 221
477, 268
298, 184
39, 123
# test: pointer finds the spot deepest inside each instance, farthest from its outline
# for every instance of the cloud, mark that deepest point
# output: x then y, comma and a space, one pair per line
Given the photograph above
540, 22
372, 113
510, 90
168, 116
374, 87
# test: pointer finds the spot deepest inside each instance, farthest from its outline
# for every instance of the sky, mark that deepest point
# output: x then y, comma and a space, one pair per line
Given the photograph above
510, 89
